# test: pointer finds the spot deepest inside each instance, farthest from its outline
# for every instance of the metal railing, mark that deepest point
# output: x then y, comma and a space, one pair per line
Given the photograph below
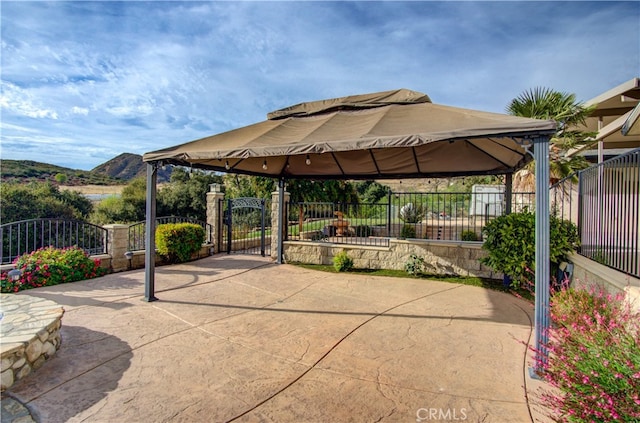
137, 230
25, 236
439, 216
609, 218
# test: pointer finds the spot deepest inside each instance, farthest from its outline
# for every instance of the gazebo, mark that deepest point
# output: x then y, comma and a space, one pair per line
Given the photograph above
385, 135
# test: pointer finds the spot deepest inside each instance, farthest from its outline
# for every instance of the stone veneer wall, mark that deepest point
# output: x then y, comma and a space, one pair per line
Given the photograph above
441, 257
587, 272
30, 335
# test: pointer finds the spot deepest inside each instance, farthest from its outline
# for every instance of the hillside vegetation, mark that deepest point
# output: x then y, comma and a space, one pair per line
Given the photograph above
128, 166
117, 171
30, 171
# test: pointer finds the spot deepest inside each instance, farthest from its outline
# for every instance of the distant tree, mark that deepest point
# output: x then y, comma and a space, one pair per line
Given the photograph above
370, 192
128, 208
61, 178
109, 210
186, 194
40, 200
237, 186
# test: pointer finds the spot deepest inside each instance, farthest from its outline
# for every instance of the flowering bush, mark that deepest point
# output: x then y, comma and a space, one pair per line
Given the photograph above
594, 358
51, 266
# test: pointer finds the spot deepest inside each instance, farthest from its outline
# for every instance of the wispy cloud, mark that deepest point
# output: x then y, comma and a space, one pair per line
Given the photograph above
85, 81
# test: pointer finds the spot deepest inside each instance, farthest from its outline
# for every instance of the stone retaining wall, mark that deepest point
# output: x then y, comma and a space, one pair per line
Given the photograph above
30, 335
440, 257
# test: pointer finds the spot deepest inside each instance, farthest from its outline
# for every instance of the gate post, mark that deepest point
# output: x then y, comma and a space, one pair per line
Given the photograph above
215, 215
275, 212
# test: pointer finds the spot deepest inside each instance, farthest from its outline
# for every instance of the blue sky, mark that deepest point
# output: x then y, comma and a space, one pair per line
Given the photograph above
85, 81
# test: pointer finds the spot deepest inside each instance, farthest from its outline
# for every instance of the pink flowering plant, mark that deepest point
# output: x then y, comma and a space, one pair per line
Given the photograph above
51, 266
594, 358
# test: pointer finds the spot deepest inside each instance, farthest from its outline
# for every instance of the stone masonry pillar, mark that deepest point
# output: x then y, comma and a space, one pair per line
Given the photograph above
275, 210
118, 244
215, 214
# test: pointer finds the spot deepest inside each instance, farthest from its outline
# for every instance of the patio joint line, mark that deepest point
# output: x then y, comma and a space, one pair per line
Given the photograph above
330, 350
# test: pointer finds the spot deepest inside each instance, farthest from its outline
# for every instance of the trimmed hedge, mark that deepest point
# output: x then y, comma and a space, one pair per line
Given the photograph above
177, 242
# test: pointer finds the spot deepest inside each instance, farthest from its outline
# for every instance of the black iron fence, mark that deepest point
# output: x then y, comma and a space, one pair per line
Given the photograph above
609, 217
137, 230
456, 216
603, 201
26, 236
247, 224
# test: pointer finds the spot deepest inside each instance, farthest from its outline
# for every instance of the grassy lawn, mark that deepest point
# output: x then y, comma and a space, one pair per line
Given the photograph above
464, 280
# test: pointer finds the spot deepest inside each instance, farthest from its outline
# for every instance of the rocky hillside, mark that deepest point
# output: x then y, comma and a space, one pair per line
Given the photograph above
116, 171
127, 166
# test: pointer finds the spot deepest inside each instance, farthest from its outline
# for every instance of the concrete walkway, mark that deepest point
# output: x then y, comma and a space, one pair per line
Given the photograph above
238, 338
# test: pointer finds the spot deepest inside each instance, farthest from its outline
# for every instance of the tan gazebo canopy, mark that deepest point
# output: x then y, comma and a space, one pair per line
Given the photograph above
391, 134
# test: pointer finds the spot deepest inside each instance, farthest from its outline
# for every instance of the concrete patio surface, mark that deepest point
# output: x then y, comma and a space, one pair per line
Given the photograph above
239, 338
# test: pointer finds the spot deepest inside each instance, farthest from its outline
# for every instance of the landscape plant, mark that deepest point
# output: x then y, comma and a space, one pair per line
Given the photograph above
410, 213
510, 243
407, 231
177, 242
415, 265
342, 262
51, 266
594, 358
468, 236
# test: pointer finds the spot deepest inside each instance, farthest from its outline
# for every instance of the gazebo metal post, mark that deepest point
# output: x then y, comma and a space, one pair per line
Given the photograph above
280, 219
150, 234
508, 183
542, 269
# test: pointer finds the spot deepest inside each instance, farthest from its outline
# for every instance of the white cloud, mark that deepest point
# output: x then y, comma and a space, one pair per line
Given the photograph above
21, 102
79, 110
102, 78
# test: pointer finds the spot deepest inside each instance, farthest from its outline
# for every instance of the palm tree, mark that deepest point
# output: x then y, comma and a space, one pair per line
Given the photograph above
545, 103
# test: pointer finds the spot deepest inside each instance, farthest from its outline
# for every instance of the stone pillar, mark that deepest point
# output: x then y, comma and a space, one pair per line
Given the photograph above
275, 211
117, 246
215, 214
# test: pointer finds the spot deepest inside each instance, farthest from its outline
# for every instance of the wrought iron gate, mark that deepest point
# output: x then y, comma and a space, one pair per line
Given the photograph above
245, 221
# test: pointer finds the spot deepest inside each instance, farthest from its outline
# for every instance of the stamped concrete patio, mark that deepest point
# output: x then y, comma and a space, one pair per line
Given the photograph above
238, 338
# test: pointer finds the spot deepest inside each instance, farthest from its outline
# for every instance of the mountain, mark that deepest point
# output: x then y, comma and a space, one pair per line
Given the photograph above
28, 170
128, 166
116, 171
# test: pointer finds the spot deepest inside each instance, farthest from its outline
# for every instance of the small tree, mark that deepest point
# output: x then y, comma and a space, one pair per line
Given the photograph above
61, 178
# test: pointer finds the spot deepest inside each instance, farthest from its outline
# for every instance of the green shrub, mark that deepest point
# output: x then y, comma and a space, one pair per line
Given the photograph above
342, 262
51, 266
363, 230
510, 242
177, 242
468, 236
415, 265
408, 231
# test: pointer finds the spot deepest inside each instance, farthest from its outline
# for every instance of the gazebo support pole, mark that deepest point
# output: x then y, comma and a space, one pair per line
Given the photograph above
150, 234
508, 183
542, 269
281, 212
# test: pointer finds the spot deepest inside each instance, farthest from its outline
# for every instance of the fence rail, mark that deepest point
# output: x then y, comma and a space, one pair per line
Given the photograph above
137, 230
440, 216
609, 219
30, 235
